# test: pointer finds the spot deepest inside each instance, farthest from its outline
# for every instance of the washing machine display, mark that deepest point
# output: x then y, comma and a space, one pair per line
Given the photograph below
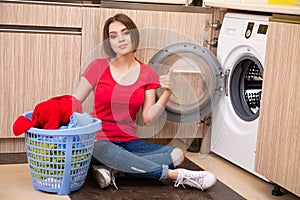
262, 29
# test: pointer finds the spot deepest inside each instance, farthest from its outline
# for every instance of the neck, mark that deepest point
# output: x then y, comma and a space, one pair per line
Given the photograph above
126, 60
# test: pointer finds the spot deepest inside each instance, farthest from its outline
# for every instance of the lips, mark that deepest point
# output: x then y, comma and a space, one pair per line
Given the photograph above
123, 46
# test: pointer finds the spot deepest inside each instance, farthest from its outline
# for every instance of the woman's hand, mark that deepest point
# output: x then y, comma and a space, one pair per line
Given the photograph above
166, 80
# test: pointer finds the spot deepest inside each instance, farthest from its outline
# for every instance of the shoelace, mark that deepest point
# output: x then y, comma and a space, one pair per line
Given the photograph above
183, 180
113, 179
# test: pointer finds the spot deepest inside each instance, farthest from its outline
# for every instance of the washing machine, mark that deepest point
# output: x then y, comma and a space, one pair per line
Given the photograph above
241, 53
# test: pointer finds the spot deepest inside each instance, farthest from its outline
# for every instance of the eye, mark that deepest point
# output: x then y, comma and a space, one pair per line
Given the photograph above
113, 36
126, 32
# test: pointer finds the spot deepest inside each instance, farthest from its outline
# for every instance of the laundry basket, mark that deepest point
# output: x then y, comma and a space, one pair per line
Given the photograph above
59, 159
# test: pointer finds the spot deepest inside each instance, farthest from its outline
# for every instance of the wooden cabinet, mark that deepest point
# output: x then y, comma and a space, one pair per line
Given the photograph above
50, 15
157, 29
278, 149
162, 28
40, 50
45, 47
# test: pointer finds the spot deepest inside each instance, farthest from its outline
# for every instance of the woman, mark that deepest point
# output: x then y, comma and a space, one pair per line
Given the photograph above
122, 85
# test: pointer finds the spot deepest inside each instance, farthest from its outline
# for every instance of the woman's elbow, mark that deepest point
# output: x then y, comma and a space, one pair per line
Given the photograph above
147, 120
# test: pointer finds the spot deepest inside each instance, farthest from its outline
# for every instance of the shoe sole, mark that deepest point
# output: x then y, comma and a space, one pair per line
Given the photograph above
102, 179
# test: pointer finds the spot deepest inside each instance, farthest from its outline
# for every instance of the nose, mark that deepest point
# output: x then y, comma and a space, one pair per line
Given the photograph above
121, 37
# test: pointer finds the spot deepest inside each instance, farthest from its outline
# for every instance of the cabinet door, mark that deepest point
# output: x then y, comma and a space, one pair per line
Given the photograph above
157, 29
185, 26
34, 14
278, 149
40, 46
34, 67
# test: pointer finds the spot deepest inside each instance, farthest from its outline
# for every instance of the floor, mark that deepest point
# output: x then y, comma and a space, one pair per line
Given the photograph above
16, 183
239, 180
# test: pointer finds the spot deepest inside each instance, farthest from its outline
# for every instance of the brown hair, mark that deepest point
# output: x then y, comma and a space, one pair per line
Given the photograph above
134, 33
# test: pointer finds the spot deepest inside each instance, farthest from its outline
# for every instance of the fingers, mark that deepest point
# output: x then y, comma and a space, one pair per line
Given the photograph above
171, 70
165, 80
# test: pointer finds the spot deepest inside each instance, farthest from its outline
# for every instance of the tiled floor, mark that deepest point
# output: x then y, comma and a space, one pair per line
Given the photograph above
16, 183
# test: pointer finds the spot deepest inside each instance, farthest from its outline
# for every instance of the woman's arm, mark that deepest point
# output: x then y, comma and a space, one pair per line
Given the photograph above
151, 109
83, 90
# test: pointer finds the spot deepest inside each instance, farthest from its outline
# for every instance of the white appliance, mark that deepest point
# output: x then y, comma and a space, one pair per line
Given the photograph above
241, 52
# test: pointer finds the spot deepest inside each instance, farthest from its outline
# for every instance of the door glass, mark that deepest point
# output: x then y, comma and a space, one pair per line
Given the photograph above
246, 87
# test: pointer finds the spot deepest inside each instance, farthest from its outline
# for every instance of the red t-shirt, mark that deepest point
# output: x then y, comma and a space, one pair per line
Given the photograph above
117, 105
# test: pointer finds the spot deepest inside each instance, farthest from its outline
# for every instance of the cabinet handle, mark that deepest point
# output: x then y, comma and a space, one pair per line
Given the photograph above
214, 25
206, 121
40, 29
213, 42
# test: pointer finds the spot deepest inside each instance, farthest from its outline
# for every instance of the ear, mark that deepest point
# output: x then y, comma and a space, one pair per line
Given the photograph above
21, 125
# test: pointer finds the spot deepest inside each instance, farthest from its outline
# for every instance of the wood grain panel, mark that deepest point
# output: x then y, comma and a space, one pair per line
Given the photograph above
12, 145
163, 128
278, 150
35, 67
91, 44
181, 26
218, 15
40, 15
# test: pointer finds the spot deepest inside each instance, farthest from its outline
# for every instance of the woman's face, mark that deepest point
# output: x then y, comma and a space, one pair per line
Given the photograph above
119, 38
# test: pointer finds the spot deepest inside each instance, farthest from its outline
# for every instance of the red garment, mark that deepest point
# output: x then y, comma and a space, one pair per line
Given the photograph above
117, 105
50, 114
55, 112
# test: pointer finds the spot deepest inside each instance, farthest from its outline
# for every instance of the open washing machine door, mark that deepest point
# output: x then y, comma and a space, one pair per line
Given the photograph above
198, 80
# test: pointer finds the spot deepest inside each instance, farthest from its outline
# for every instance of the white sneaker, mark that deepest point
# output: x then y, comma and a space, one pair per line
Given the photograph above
105, 176
199, 179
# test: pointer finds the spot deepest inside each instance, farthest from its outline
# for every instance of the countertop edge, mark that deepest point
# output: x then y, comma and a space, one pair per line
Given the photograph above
118, 5
155, 7
271, 8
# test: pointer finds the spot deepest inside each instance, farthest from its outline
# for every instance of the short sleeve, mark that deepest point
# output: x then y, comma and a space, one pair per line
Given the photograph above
153, 79
95, 70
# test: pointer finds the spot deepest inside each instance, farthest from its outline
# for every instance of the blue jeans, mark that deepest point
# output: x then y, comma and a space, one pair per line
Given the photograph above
136, 157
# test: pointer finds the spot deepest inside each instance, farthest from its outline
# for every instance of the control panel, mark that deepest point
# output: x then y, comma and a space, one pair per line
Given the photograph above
254, 28
257, 29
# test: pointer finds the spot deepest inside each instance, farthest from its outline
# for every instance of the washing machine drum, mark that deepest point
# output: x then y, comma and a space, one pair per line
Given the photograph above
246, 87
197, 80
